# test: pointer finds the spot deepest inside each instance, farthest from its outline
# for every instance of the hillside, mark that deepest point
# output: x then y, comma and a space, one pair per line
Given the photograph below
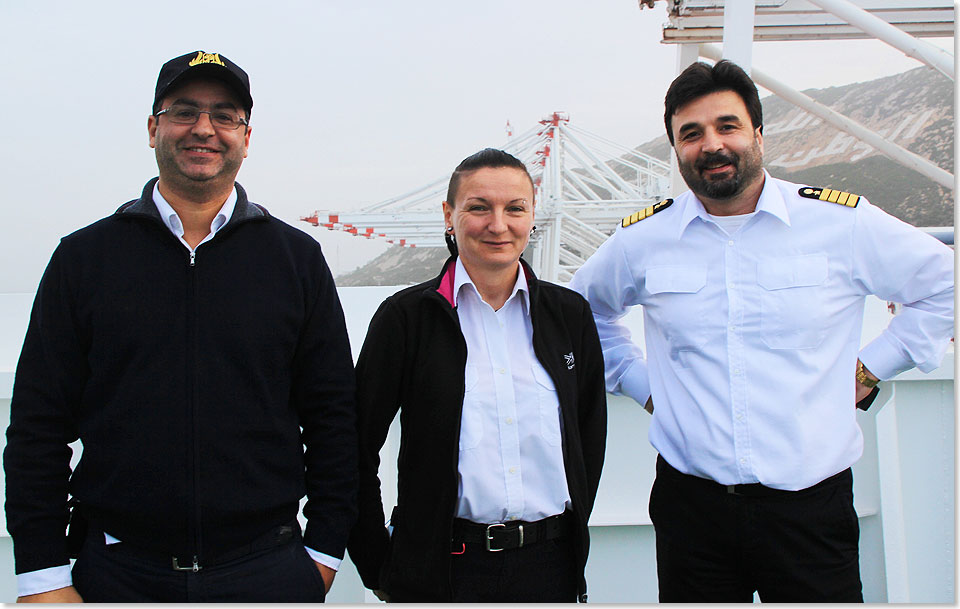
398, 266
913, 109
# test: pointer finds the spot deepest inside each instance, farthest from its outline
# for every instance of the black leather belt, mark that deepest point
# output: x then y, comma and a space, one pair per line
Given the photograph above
746, 490
276, 536
510, 535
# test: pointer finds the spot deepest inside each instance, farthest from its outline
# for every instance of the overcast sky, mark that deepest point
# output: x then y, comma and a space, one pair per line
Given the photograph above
354, 101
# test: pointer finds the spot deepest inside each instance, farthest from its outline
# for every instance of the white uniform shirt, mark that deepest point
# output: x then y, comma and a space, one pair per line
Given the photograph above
54, 578
511, 458
752, 338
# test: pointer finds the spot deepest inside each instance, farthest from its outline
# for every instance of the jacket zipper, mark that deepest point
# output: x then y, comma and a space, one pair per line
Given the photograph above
193, 323
455, 318
539, 351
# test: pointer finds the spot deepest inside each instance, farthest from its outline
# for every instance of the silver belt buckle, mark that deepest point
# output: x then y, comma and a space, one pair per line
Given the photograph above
194, 567
490, 537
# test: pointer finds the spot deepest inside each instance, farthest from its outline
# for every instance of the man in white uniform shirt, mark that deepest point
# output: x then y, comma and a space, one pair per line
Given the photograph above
753, 292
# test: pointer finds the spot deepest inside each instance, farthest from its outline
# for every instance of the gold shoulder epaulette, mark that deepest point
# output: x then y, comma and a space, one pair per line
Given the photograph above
833, 196
646, 212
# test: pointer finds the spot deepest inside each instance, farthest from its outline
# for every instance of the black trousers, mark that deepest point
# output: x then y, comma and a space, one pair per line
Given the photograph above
118, 573
544, 572
716, 546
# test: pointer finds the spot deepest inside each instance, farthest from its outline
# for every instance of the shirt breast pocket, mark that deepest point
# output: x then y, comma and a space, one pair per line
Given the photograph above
549, 406
471, 416
679, 307
791, 301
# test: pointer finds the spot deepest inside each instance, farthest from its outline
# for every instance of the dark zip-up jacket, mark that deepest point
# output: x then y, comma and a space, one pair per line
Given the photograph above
413, 360
188, 380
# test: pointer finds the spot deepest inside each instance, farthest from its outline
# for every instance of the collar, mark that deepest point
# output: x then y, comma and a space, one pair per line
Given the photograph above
243, 210
175, 225
461, 278
770, 202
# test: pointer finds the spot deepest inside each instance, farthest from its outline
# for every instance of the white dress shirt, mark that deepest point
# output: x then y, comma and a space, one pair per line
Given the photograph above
511, 458
173, 223
54, 578
753, 336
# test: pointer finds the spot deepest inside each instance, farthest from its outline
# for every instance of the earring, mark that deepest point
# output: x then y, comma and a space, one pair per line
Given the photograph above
449, 229
534, 229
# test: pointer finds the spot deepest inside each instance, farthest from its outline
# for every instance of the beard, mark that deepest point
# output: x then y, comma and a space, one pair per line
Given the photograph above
746, 170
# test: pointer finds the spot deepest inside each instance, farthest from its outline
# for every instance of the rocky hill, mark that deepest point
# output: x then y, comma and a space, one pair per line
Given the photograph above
914, 109
398, 266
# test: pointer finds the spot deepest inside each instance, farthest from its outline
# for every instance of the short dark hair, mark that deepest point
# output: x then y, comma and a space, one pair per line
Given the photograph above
488, 157
700, 79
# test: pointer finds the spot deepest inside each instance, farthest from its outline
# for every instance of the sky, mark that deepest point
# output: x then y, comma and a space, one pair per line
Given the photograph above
354, 101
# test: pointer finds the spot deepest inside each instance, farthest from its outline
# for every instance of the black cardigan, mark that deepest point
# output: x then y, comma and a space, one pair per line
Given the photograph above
413, 360
188, 381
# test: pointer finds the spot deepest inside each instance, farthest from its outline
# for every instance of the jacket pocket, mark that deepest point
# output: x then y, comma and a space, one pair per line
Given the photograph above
791, 301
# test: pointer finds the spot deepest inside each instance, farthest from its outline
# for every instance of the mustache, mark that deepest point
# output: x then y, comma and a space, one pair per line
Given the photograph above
713, 159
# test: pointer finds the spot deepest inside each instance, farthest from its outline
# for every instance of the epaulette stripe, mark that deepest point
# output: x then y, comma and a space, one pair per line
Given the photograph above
831, 196
644, 213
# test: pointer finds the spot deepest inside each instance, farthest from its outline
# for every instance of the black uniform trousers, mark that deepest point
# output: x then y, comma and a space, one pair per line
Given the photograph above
721, 544
120, 573
544, 572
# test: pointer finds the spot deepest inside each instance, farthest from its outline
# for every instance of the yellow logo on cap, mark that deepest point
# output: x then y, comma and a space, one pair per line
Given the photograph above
206, 58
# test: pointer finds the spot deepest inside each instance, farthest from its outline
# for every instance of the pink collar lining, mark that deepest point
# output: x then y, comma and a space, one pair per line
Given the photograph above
448, 281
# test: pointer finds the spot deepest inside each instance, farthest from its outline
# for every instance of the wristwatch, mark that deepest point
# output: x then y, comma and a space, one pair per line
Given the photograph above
862, 377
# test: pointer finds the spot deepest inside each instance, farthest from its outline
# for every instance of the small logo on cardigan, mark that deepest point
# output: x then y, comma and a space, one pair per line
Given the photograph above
568, 358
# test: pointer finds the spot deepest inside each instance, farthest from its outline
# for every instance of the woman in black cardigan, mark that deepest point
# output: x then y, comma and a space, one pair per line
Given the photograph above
498, 378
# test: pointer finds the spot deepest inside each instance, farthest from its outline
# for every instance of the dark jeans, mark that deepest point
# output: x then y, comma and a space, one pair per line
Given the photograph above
714, 546
114, 573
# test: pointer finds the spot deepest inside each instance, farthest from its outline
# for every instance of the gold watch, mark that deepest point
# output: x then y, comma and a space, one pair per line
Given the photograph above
862, 377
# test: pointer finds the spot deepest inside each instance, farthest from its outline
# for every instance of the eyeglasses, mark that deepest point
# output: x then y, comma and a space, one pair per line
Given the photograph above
189, 115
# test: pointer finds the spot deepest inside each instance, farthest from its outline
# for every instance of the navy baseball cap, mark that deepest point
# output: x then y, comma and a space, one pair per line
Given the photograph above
203, 64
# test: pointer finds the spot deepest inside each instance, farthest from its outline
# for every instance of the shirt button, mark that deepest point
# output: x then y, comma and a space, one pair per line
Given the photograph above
509, 420
513, 470
730, 285
730, 242
501, 371
739, 417
742, 461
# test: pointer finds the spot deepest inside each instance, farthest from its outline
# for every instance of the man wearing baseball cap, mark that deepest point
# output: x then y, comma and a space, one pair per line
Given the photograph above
196, 347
